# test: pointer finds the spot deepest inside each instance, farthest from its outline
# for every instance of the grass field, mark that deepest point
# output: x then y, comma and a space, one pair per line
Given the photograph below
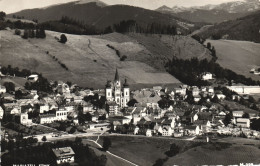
91, 63
239, 56
207, 155
145, 151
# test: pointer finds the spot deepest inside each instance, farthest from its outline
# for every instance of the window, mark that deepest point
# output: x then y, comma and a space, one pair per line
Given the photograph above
108, 93
126, 93
117, 100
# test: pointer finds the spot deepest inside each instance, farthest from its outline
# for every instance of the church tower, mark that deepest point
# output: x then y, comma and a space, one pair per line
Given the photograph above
126, 94
115, 92
117, 88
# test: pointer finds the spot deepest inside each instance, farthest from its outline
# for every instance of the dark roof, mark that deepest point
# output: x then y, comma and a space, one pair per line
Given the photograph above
116, 76
126, 84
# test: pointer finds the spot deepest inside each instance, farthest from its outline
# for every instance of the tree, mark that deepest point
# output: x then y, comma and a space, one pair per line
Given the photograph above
17, 32
228, 118
2, 16
42, 33
72, 130
106, 143
132, 102
63, 38
10, 87
44, 139
25, 34
246, 115
174, 150
209, 45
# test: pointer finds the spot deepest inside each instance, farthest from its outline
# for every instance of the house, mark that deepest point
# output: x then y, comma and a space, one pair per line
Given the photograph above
47, 118
112, 108
2, 89
193, 116
210, 90
243, 122
204, 125
63, 88
24, 120
121, 119
64, 155
191, 130
149, 133
220, 95
1, 113
238, 114
222, 114
178, 134
206, 76
33, 78
197, 98
88, 108
180, 91
100, 125
61, 114
195, 91
44, 108
166, 131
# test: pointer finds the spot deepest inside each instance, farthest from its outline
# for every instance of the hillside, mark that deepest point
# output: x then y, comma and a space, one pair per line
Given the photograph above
239, 56
100, 16
246, 28
91, 62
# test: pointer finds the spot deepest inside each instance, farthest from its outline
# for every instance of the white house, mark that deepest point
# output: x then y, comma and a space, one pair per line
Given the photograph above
167, 131
206, 76
1, 112
220, 96
61, 114
2, 89
243, 122
238, 114
191, 130
47, 118
33, 77
149, 133
44, 107
24, 120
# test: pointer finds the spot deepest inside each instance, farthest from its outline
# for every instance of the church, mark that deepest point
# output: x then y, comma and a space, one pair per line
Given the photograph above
118, 93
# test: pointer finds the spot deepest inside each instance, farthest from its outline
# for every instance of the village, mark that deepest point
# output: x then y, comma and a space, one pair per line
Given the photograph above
156, 111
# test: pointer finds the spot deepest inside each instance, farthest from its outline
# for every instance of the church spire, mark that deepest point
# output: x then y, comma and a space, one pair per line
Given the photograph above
117, 76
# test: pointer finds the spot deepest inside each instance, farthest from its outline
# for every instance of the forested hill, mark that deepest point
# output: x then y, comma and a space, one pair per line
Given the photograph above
246, 28
101, 17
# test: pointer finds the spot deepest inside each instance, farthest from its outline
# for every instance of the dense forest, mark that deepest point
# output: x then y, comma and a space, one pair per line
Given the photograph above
187, 71
43, 154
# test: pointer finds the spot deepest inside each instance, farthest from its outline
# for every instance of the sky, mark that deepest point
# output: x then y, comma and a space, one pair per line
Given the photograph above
11, 6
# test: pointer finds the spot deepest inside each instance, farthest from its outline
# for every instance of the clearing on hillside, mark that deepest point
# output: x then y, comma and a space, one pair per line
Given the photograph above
239, 56
90, 62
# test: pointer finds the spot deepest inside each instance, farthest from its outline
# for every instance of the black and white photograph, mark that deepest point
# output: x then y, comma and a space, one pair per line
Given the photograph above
130, 82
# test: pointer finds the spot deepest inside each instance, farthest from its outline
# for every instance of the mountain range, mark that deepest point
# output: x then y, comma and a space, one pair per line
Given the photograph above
213, 13
246, 28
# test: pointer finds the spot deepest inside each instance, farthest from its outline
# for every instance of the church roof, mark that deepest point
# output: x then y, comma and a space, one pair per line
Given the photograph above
117, 76
126, 83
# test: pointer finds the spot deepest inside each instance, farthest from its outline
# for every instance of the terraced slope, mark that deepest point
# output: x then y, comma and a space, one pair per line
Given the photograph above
91, 62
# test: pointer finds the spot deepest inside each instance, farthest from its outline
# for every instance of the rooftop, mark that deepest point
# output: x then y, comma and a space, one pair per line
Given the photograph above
66, 151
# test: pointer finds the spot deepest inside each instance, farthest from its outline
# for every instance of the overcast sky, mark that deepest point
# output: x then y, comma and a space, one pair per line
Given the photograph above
10, 6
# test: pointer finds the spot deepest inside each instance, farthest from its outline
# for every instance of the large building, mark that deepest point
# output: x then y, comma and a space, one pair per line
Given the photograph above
117, 92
